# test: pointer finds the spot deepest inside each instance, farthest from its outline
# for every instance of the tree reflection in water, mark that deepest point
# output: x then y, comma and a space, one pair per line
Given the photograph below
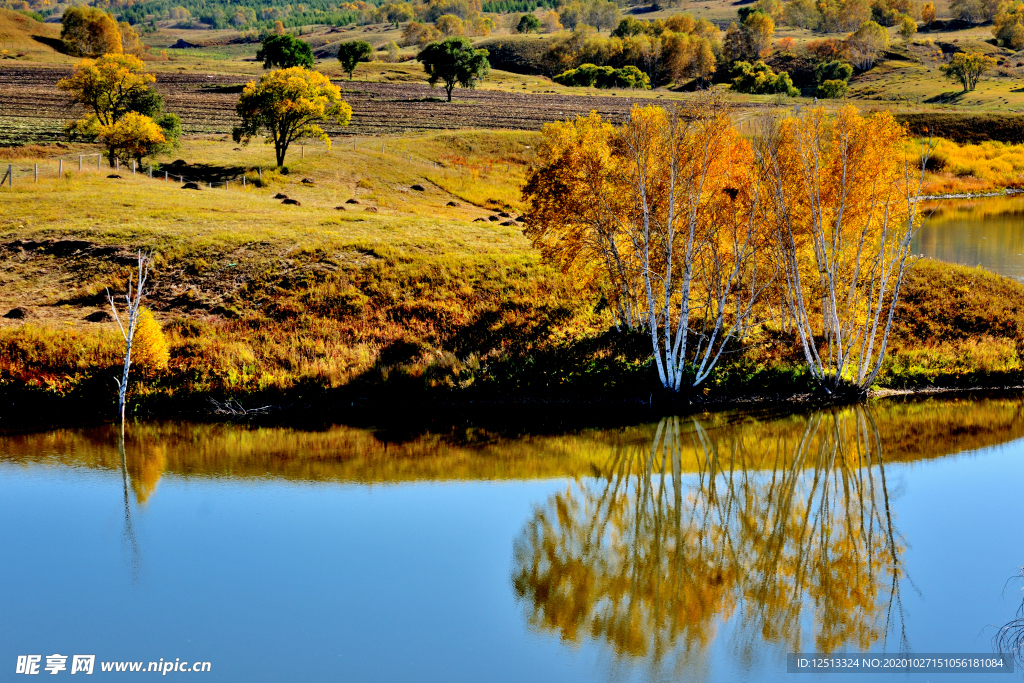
695, 528
135, 560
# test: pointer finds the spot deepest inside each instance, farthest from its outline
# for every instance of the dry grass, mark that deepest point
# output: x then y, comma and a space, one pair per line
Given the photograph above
983, 167
25, 39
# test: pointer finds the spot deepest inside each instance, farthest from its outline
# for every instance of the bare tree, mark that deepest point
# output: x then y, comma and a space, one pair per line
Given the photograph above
843, 192
133, 304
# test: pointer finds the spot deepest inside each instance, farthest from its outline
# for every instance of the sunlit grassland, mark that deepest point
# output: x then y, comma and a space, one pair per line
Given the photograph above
256, 295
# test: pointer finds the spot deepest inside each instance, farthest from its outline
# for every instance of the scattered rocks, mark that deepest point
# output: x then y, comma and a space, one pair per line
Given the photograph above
190, 186
452, 204
114, 175
419, 188
98, 317
508, 223
504, 214
17, 313
294, 202
351, 201
307, 181
493, 219
339, 208
479, 220
371, 209
280, 195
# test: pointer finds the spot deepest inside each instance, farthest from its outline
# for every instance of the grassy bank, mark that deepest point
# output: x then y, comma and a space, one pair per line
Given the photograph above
407, 295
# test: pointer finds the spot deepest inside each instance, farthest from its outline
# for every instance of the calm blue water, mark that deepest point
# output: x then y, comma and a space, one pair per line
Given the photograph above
276, 580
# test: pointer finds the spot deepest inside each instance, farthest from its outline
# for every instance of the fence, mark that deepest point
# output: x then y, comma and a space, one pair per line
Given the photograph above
84, 162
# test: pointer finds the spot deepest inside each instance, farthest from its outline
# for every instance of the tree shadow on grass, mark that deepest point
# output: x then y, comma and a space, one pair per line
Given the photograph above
947, 97
202, 173
55, 43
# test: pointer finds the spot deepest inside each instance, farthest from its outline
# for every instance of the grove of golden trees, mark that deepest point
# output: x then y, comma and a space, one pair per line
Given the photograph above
699, 237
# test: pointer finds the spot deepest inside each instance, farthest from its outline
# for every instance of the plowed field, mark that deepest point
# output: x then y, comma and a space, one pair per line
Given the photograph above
33, 110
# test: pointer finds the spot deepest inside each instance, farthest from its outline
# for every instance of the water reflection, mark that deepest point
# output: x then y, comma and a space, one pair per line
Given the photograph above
801, 552
986, 232
912, 431
130, 539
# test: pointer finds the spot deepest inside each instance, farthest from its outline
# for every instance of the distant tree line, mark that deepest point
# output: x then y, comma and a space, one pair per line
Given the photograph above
507, 6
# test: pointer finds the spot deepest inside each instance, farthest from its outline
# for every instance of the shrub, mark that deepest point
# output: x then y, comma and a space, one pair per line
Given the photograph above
833, 89
759, 79
591, 76
834, 70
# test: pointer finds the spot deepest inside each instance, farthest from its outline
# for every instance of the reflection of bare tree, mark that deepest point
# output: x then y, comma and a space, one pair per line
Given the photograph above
680, 536
129, 531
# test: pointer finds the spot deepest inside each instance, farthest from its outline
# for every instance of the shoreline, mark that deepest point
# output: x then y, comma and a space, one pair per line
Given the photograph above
529, 414
1002, 193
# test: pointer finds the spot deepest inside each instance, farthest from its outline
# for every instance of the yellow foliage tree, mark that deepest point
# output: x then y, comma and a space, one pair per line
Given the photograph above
133, 136
107, 85
149, 348
928, 13
662, 214
289, 105
131, 43
449, 25
841, 197
89, 32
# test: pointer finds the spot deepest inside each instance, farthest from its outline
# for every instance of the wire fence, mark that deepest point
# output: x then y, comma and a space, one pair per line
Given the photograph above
58, 167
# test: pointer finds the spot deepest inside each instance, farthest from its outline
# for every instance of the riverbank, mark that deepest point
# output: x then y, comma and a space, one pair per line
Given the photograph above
957, 329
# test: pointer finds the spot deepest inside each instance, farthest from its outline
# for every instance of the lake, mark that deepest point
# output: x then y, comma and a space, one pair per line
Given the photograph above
987, 231
699, 548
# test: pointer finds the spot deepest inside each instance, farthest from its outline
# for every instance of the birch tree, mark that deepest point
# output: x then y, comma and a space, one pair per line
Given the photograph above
841, 197
133, 304
662, 211
693, 225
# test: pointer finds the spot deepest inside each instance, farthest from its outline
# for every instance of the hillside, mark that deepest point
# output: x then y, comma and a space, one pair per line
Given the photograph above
23, 38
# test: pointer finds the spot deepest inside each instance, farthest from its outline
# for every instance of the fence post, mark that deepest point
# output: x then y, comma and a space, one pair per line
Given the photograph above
151, 170
35, 171
133, 166
7, 175
79, 163
117, 164
303, 148
165, 176
210, 184
99, 158
60, 167
243, 180
10, 176
260, 169
382, 148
